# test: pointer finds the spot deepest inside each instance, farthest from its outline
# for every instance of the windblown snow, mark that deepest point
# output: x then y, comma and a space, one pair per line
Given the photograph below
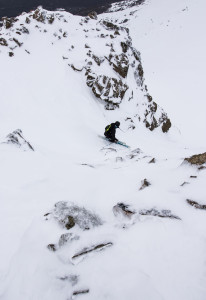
83, 218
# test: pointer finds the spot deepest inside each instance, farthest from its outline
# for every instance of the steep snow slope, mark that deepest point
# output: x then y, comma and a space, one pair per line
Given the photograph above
139, 213
171, 38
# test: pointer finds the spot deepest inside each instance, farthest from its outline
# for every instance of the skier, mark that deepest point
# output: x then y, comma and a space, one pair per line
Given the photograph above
110, 131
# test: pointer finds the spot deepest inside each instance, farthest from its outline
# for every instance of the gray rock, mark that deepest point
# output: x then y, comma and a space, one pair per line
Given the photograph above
80, 292
52, 247
66, 238
162, 214
124, 210
82, 217
94, 248
144, 183
93, 15
16, 138
196, 204
3, 42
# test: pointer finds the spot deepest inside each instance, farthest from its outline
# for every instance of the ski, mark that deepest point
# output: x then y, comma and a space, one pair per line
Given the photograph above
118, 143
122, 144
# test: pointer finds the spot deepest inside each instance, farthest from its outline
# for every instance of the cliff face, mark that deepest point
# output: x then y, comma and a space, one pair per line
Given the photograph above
99, 49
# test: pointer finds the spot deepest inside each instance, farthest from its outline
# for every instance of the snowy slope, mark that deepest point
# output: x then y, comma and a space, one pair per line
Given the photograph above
171, 38
82, 218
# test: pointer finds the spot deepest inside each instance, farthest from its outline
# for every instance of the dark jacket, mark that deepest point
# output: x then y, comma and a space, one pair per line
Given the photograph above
110, 132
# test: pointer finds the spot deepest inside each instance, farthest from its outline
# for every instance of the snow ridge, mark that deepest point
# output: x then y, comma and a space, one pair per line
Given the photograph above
112, 66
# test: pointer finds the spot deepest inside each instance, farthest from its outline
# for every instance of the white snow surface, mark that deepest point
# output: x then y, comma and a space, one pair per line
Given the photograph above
151, 258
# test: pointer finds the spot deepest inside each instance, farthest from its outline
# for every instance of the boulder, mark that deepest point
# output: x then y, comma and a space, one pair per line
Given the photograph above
124, 210
198, 159
68, 214
66, 238
156, 213
3, 42
8, 22
144, 183
93, 15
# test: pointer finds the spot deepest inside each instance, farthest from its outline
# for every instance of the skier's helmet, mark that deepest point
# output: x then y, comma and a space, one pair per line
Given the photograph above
117, 123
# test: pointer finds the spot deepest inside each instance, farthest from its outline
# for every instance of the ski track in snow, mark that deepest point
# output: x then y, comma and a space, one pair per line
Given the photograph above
142, 256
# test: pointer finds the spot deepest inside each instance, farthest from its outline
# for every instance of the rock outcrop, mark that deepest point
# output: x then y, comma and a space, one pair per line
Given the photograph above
113, 70
198, 159
69, 214
124, 210
144, 183
196, 204
16, 138
156, 213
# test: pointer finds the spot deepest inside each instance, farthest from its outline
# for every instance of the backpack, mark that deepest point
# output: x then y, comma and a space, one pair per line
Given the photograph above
107, 128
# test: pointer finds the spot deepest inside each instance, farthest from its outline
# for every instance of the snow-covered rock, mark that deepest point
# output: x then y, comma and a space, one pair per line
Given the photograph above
112, 66
16, 138
69, 214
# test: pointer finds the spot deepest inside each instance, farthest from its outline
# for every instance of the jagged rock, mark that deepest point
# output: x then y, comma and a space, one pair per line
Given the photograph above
11, 54
67, 237
76, 69
149, 97
144, 183
134, 153
202, 168
193, 176
88, 165
110, 25
124, 210
122, 5
162, 214
108, 89
184, 183
150, 118
24, 30
98, 60
198, 159
166, 123
17, 42
80, 292
28, 21
196, 204
131, 123
93, 15
42, 16
8, 22
120, 64
39, 15
124, 46
16, 138
73, 279
119, 159
152, 161
82, 217
95, 248
50, 19
70, 222
52, 247
3, 42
